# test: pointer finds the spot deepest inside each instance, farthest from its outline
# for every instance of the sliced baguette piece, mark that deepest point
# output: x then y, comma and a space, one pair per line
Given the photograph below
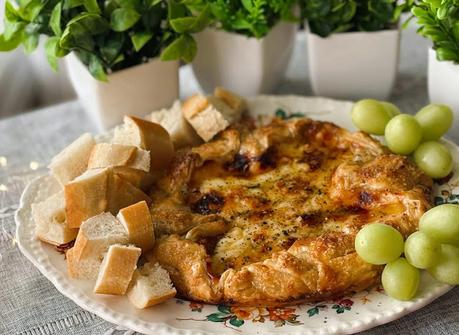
150, 286
108, 154
73, 160
87, 268
137, 178
208, 115
86, 196
97, 191
50, 223
181, 132
237, 103
117, 269
121, 193
137, 221
148, 136
94, 238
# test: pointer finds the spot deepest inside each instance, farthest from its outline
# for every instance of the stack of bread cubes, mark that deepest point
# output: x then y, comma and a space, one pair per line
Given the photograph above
103, 204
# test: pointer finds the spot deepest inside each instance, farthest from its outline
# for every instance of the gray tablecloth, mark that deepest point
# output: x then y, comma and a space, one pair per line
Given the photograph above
29, 304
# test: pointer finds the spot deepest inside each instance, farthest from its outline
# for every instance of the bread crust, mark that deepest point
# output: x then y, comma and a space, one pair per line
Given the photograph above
139, 226
148, 136
100, 190
50, 222
117, 270
295, 193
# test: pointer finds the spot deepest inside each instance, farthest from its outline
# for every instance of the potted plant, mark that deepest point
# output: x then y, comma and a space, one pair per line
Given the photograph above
353, 46
117, 48
439, 22
248, 46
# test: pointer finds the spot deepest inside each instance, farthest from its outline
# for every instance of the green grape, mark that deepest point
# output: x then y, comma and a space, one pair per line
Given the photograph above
434, 159
400, 279
435, 120
403, 134
379, 243
446, 267
441, 223
391, 108
421, 250
370, 116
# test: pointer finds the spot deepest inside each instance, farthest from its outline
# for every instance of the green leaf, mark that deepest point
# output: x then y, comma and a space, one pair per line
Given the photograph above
234, 321
50, 49
224, 309
111, 49
456, 30
444, 54
141, 38
12, 29
96, 68
30, 43
75, 36
175, 10
93, 23
91, 6
247, 5
55, 19
183, 24
31, 10
133, 4
118, 59
313, 311
202, 20
280, 113
69, 4
124, 18
216, 317
11, 14
442, 13
151, 3
10, 44
183, 48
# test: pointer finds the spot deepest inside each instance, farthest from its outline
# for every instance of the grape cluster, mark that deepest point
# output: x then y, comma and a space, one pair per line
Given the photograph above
405, 134
435, 247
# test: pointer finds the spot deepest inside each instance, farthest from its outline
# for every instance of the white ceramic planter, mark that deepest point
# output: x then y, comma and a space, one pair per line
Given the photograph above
443, 83
135, 91
354, 65
244, 65
52, 87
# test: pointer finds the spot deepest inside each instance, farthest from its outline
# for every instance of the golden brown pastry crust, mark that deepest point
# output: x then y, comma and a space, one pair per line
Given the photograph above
273, 212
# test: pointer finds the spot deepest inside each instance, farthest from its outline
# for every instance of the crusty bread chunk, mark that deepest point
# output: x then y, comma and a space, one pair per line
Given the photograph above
108, 154
148, 136
181, 132
73, 160
150, 285
237, 103
94, 238
121, 193
208, 115
50, 224
86, 196
137, 221
97, 191
86, 268
137, 178
117, 269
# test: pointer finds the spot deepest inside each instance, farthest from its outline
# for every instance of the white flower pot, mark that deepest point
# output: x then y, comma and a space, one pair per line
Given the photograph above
247, 66
52, 87
354, 65
134, 91
443, 83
